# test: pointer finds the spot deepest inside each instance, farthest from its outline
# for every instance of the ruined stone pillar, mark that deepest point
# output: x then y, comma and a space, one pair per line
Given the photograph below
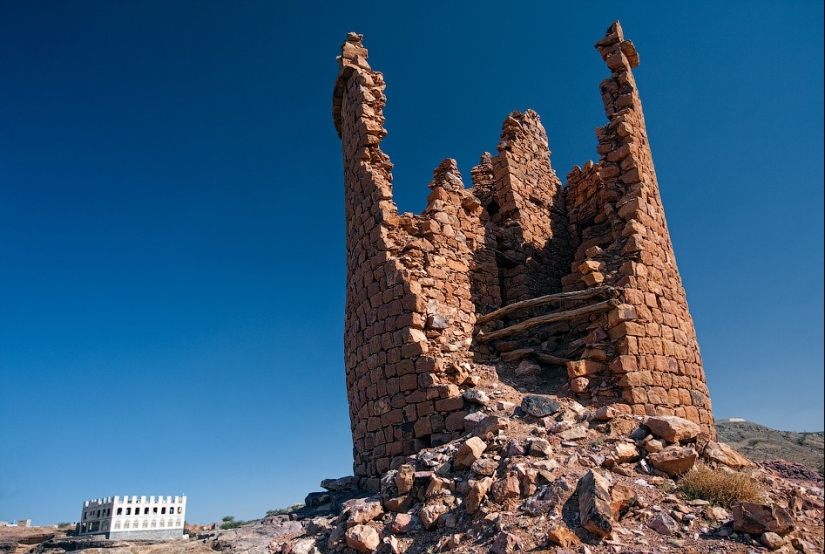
618, 225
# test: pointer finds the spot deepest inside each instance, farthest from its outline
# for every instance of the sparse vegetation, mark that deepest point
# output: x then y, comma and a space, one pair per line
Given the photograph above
230, 523
63, 524
283, 511
717, 486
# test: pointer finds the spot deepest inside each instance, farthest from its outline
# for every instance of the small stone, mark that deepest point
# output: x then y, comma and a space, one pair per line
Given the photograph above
772, 540
469, 452
622, 497
401, 523
507, 487
490, 426
473, 419
363, 538
485, 466
664, 524
539, 406
540, 448
404, 478
429, 515
579, 384
476, 396
477, 493
528, 367
717, 513
504, 543
560, 535
364, 511
574, 433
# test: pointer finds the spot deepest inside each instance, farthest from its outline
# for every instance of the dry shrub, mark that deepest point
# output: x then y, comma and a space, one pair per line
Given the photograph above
721, 487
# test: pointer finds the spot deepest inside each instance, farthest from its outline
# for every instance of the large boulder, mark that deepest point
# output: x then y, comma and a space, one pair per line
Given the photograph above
673, 428
674, 460
756, 519
363, 538
595, 512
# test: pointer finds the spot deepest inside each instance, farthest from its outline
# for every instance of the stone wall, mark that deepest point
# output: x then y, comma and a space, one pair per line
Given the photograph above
417, 283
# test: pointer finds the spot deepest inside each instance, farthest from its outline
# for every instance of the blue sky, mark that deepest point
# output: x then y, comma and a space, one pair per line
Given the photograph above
171, 217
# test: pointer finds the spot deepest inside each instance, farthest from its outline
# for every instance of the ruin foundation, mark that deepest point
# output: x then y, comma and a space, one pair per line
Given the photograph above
424, 319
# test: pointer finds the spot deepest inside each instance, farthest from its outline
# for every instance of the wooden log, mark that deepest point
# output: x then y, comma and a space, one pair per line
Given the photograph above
550, 359
544, 300
549, 318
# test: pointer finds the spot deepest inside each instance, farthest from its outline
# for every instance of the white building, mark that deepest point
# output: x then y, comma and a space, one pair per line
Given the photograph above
134, 517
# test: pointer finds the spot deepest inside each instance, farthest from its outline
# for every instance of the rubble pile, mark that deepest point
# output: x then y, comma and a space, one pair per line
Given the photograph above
551, 474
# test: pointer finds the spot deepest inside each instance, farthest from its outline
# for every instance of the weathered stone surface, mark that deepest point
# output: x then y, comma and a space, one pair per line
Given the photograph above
622, 498
476, 396
364, 511
539, 406
363, 538
429, 515
404, 478
759, 518
402, 523
507, 487
527, 367
485, 466
721, 453
674, 460
595, 512
490, 426
477, 493
772, 540
505, 543
672, 428
469, 452
664, 524
417, 284
560, 535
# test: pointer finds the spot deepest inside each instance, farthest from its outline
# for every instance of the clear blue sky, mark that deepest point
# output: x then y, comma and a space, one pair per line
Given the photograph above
171, 217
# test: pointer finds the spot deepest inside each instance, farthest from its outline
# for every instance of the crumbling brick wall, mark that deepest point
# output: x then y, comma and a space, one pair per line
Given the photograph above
416, 284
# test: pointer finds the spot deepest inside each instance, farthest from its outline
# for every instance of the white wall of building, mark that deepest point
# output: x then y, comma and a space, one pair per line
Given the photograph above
134, 516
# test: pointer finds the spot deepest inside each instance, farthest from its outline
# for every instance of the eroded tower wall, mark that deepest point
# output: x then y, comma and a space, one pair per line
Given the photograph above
416, 284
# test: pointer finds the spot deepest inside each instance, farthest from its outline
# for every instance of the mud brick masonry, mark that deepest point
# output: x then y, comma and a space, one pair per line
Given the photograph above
518, 267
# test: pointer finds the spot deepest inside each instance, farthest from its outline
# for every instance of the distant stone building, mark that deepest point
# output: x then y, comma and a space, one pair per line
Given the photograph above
577, 277
134, 517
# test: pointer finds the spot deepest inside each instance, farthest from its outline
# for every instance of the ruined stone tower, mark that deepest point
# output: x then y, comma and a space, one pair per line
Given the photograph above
579, 278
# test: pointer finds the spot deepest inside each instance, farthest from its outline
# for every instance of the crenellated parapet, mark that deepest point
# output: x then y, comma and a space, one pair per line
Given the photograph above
418, 284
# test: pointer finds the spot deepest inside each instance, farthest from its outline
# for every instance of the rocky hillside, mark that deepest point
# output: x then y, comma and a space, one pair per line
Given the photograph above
761, 443
540, 473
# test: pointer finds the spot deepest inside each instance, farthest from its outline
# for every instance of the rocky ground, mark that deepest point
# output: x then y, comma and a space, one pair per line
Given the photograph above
534, 472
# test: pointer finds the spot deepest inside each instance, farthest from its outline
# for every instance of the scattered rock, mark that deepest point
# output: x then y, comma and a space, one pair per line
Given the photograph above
594, 504
363, 538
759, 518
429, 515
505, 543
723, 454
560, 535
476, 396
664, 524
528, 367
672, 428
674, 460
772, 540
477, 493
539, 406
469, 452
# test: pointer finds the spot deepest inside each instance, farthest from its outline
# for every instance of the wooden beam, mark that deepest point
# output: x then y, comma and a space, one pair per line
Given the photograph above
549, 318
544, 300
